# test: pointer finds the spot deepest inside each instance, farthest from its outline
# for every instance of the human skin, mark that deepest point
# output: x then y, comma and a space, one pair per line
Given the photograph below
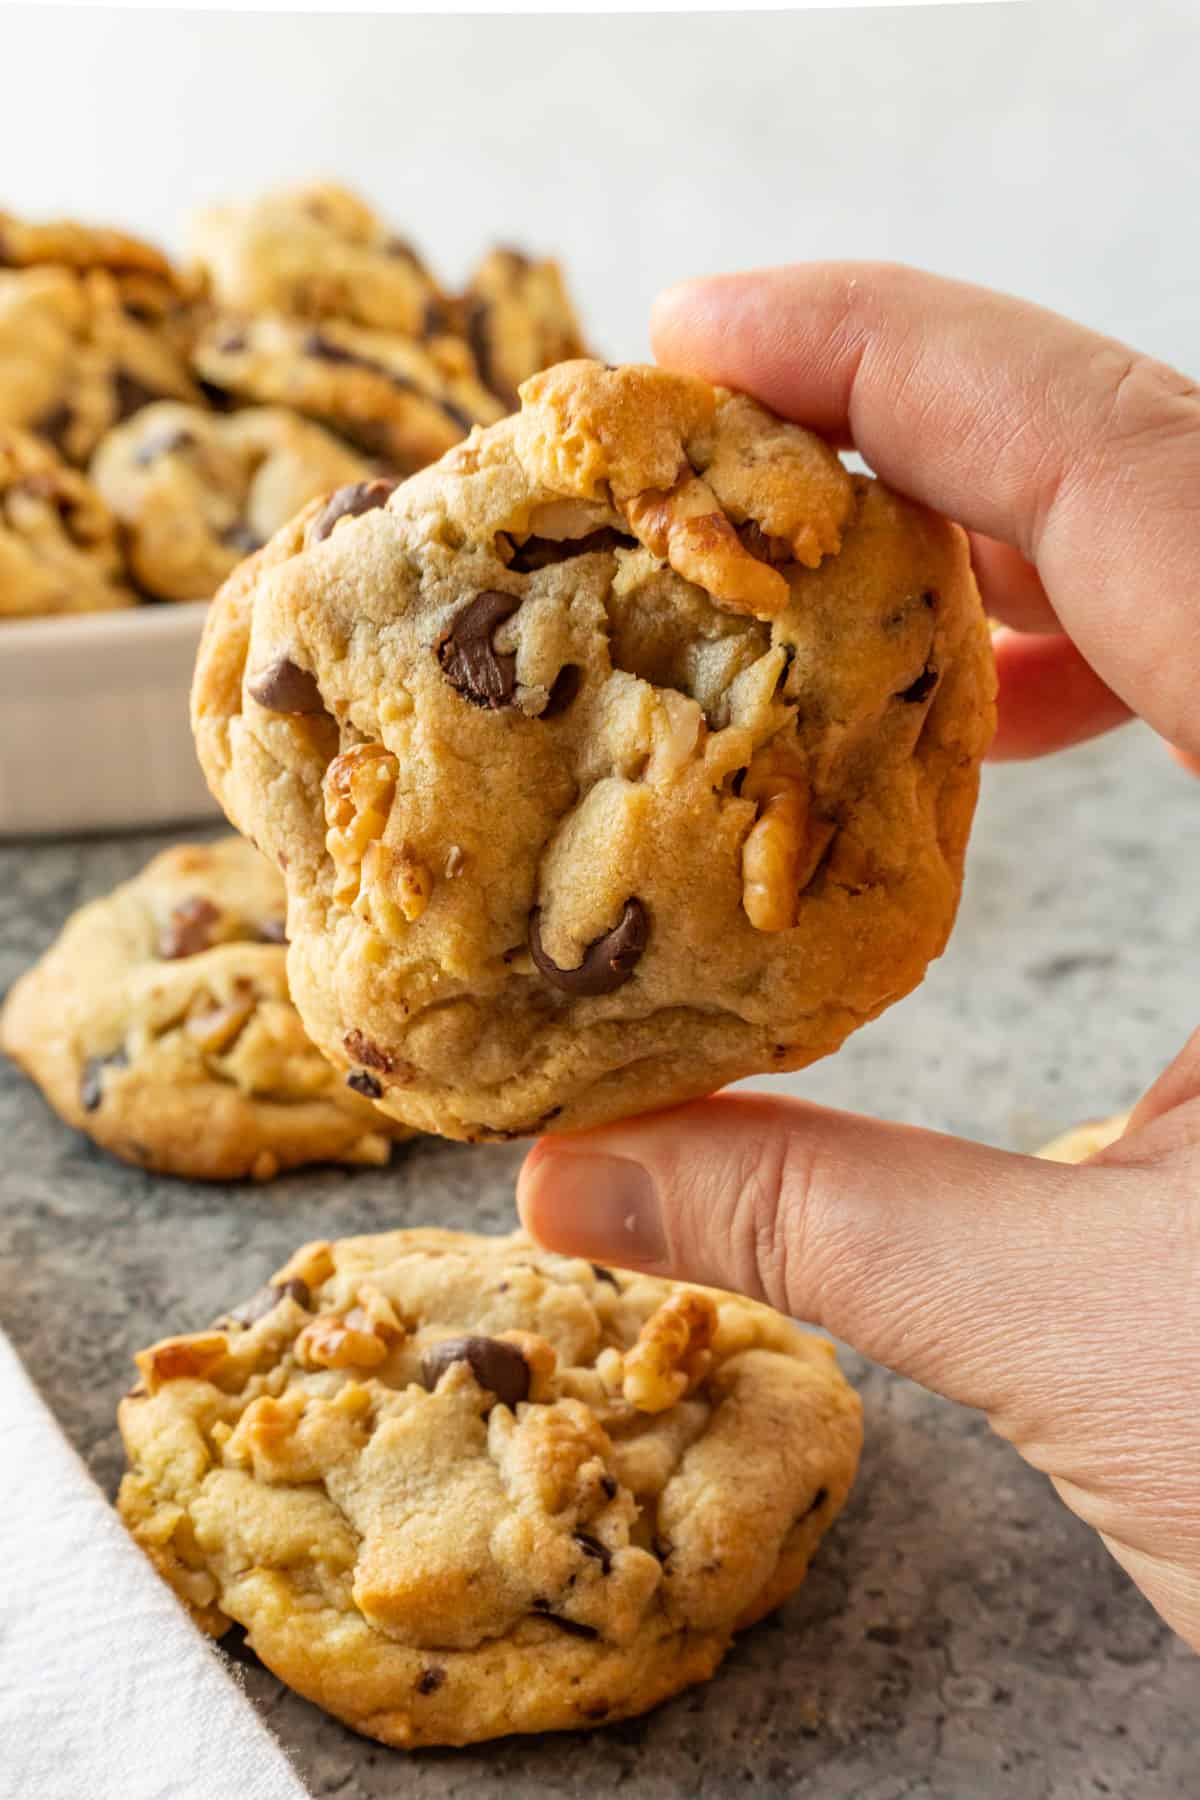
1060, 1300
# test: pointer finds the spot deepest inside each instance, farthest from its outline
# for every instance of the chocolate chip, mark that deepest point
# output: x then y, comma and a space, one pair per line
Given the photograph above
479, 337
361, 1049
164, 443
471, 664
240, 537
284, 687
921, 688
271, 931
773, 550
436, 319
497, 1366
91, 1082
362, 1083
350, 503
930, 598
55, 425
816, 1503
188, 931
315, 343
542, 1607
540, 552
564, 689
130, 395
431, 1679
609, 1487
608, 962
591, 1546
267, 1299
603, 1274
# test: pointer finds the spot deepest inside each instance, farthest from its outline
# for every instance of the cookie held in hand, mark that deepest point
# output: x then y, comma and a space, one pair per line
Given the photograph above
629, 750
455, 1487
160, 1023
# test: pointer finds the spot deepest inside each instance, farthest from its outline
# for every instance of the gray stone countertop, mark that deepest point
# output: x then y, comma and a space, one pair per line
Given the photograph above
961, 1636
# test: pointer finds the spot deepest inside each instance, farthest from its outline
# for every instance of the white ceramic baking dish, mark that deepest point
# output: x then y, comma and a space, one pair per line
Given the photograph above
94, 722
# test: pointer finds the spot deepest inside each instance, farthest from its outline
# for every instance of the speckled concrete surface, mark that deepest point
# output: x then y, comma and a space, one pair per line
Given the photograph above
961, 1637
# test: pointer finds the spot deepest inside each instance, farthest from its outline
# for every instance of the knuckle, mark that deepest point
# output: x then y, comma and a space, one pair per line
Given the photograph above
1142, 400
778, 1225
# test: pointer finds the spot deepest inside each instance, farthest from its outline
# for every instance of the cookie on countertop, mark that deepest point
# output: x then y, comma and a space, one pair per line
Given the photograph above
519, 319
159, 1023
74, 362
315, 252
59, 550
1082, 1141
455, 1487
196, 491
397, 399
631, 749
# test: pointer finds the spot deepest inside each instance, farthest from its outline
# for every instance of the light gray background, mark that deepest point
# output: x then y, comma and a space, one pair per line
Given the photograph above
1050, 149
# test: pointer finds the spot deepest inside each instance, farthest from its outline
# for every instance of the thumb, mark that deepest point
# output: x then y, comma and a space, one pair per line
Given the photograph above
956, 1264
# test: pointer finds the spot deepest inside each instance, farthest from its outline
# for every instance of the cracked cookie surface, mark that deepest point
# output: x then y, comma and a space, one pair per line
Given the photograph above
195, 491
455, 1487
631, 749
160, 1023
59, 549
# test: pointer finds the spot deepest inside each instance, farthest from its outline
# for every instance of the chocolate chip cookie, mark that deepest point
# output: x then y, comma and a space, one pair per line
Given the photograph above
196, 491
316, 252
74, 361
631, 749
455, 1487
160, 1024
519, 319
59, 550
393, 397
1082, 1141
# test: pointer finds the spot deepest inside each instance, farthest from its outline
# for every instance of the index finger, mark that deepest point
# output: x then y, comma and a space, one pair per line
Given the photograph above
1076, 450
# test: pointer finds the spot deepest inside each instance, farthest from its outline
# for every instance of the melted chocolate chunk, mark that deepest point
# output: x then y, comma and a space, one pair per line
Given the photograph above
541, 552
608, 962
362, 1083
591, 1546
403, 251
316, 344
268, 1298
609, 1487
603, 1274
431, 1679
284, 687
496, 1365
350, 503
470, 662
91, 1082
479, 337
436, 319
922, 687
189, 930
272, 931
562, 693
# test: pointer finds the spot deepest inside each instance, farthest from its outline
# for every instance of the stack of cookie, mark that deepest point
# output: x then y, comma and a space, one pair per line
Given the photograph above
157, 423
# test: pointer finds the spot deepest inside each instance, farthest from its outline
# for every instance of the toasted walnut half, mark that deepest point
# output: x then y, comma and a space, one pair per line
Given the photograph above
786, 841
672, 1352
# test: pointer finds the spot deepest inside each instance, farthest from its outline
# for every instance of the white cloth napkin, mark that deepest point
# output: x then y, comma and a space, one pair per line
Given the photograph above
107, 1689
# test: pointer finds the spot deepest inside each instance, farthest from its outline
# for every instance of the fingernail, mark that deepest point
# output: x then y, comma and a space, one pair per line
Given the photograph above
593, 1205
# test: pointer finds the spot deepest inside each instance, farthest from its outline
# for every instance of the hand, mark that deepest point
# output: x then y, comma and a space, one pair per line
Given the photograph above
1064, 1302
